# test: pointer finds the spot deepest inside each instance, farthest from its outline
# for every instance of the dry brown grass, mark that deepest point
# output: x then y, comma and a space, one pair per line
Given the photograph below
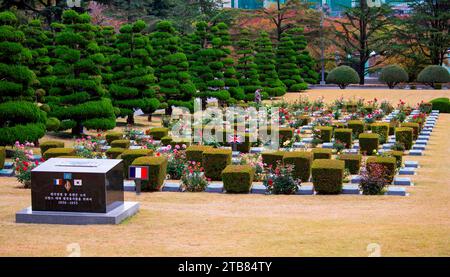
202, 224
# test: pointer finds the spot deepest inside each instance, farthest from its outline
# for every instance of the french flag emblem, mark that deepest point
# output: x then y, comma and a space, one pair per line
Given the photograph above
138, 172
57, 182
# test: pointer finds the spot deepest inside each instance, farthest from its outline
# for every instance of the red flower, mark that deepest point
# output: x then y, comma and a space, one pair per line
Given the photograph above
158, 154
270, 182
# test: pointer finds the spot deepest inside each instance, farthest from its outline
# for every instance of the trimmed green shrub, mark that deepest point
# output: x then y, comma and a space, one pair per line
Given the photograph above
58, 152
398, 155
433, 74
392, 75
328, 176
326, 132
357, 127
404, 135
344, 135
180, 142
129, 155
343, 76
302, 164
2, 156
285, 134
322, 153
111, 136
382, 129
368, 143
52, 124
238, 178
352, 162
157, 169
195, 152
214, 161
392, 125
113, 153
390, 163
441, 104
271, 158
415, 126
166, 140
245, 145
120, 143
158, 133
44, 146
247, 72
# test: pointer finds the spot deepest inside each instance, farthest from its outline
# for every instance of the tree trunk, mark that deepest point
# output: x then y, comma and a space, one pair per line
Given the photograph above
149, 118
78, 129
130, 119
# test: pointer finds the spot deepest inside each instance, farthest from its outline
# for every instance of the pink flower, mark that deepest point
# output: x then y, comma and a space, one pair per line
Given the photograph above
184, 146
177, 146
169, 147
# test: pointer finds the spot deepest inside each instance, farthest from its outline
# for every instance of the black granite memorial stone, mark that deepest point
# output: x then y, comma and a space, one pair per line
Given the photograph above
77, 185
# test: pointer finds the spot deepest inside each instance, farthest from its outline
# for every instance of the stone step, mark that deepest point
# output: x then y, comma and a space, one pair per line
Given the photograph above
399, 191
418, 147
215, 188
350, 189
407, 171
171, 187
416, 152
412, 164
258, 189
403, 181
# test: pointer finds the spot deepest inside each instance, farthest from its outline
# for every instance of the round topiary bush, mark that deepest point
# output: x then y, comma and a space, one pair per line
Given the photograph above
52, 124
343, 76
392, 75
433, 75
441, 104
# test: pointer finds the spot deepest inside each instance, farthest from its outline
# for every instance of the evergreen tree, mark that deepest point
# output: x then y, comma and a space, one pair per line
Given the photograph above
20, 118
106, 39
36, 40
305, 62
172, 67
265, 59
77, 97
133, 80
287, 65
247, 72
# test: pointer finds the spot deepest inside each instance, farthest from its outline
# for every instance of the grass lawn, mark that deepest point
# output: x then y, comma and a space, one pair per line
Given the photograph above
203, 224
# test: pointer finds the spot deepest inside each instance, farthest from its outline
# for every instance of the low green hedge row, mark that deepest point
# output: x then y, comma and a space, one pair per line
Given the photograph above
382, 129
44, 146
158, 133
343, 135
368, 143
302, 161
112, 135
214, 161
326, 133
58, 152
195, 152
352, 162
322, 153
389, 163
327, 176
120, 143
271, 158
357, 126
414, 126
157, 168
238, 178
404, 135
113, 153
129, 155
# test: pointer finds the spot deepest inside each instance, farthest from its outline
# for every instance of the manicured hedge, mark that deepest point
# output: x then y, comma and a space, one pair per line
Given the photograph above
414, 126
44, 146
238, 178
328, 176
404, 135
2, 156
326, 133
302, 164
58, 152
382, 129
433, 75
368, 143
441, 104
214, 161
195, 152
343, 76
245, 145
158, 133
393, 75
388, 162
271, 158
166, 140
129, 155
112, 135
322, 153
285, 134
398, 155
157, 168
120, 143
113, 153
352, 162
343, 135
357, 126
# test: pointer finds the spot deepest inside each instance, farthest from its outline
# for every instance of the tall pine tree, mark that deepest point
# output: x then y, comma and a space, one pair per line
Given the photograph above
20, 118
77, 97
287, 65
247, 72
305, 62
133, 82
172, 67
265, 60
